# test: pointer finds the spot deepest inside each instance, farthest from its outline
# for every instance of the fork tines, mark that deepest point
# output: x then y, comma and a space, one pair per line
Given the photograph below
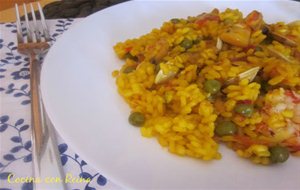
32, 31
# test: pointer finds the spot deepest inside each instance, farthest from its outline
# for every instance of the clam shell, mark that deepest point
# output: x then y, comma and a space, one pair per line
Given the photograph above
250, 74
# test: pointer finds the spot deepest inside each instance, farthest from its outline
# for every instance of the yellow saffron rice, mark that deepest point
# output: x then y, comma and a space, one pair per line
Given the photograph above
164, 74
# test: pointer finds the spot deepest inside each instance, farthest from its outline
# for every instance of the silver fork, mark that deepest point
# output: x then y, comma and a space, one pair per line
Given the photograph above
47, 169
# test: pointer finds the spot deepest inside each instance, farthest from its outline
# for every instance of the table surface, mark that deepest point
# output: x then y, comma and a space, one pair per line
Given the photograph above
7, 10
15, 128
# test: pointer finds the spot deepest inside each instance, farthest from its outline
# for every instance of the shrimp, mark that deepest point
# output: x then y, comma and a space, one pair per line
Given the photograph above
204, 17
254, 20
284, 103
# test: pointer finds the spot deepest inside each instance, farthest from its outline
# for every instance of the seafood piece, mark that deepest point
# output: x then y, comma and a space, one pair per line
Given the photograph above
279, 55
219, 44
166, 72
238, 35
249, 74
284, 39
204, 17
254, 20
287, 40
162, 77
286, 103
293, 100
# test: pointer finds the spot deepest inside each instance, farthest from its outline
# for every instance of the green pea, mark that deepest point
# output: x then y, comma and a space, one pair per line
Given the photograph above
225, 128
136, 119
279, 154
129, 69
212, 86
244, 109
186, 43
175, 20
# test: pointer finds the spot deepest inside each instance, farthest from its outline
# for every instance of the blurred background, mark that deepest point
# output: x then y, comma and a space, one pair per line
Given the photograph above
57, 8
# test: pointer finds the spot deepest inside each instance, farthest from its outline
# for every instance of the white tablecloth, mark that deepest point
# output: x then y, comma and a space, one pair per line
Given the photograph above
15, 129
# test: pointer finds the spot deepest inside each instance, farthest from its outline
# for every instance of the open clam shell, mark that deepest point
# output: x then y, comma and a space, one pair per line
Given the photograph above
281, 38
164, 75
279, 55
250, 74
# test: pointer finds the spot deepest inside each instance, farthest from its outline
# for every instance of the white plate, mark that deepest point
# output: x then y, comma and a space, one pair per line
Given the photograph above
82, 101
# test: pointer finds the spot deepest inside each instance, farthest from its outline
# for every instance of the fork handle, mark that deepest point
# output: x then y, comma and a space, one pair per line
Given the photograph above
46, 160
